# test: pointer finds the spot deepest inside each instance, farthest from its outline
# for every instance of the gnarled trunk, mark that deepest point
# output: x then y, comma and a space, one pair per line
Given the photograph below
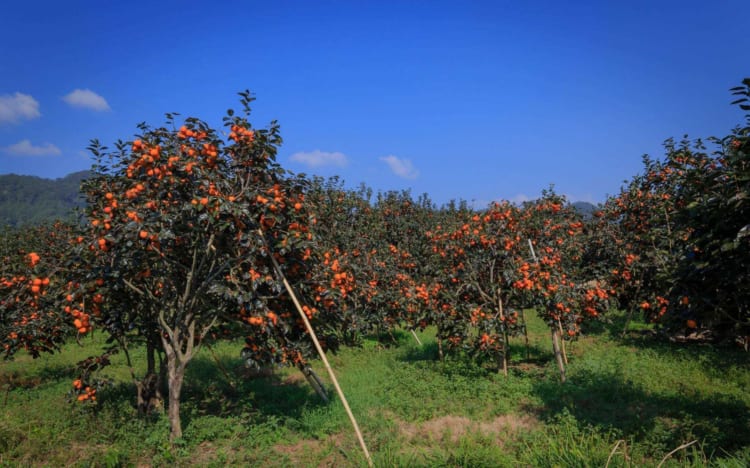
179, 349
149, 394
176, 375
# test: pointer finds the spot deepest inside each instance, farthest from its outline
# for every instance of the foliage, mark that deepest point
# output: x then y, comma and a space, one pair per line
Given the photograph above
190, 237
188, 233
677, 235
32, 277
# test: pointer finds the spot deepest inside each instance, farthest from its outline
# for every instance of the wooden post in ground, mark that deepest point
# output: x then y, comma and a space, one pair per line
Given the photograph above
562, 338
558, 354
416, 337
314, 381
505, 336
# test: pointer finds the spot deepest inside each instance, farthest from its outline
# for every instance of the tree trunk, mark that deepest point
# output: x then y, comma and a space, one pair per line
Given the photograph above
148, 390
150, 357
558, 354
176, 375
178, 358
440, 348
149, 395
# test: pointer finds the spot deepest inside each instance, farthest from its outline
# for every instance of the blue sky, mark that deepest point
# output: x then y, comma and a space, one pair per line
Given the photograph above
473, 100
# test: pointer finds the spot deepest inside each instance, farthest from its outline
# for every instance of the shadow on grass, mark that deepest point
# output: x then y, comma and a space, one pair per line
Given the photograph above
226, 390
614, 322
58, 372
389, 338
426, 352
660, 422
640, 336
47, 374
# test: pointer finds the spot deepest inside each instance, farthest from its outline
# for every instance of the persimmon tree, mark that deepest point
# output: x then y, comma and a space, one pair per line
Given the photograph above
680, 231
554, 280
377, 247
32, 278
186, 229
476, 307
508, 258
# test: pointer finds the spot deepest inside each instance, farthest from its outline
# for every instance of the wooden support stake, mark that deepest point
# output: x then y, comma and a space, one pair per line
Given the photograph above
314, 381
505, 337
562, 339
321, 353
416, 337
558, 354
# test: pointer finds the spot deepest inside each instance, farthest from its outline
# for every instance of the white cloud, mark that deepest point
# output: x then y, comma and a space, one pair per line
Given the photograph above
25, 148
401, 167
87, 99
14, 107
319, 158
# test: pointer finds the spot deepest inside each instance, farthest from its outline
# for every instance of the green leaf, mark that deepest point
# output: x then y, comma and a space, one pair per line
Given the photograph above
727, 246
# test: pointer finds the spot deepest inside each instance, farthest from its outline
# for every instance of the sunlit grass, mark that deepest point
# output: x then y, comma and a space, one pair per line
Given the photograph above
627, 400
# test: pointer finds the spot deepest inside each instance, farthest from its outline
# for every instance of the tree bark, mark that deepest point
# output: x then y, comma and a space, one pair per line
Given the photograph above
176, 375
149, 396
179, 351
150, 357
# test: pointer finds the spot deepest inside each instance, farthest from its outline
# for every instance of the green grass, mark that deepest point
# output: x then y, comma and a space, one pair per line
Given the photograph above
628, 400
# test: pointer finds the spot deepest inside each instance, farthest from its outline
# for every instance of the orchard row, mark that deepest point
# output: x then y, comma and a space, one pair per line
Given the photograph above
188, 234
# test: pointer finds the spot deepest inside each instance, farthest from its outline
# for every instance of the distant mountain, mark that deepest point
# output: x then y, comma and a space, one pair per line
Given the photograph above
586, 209
34, 200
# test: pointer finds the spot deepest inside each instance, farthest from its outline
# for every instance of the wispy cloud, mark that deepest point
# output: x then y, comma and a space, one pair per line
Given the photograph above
401, 167
25, 148
319, 158
87, 99
14, 107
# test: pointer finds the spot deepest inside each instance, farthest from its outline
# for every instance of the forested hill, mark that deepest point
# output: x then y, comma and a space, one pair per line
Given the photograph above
586, 209
33, 200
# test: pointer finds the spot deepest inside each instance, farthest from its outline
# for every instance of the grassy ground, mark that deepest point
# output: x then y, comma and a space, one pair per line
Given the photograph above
628, 402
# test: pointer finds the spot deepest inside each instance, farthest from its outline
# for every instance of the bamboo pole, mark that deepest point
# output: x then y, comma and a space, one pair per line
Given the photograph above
505, 336
562, 339
416, 337
558, 355
322, 354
